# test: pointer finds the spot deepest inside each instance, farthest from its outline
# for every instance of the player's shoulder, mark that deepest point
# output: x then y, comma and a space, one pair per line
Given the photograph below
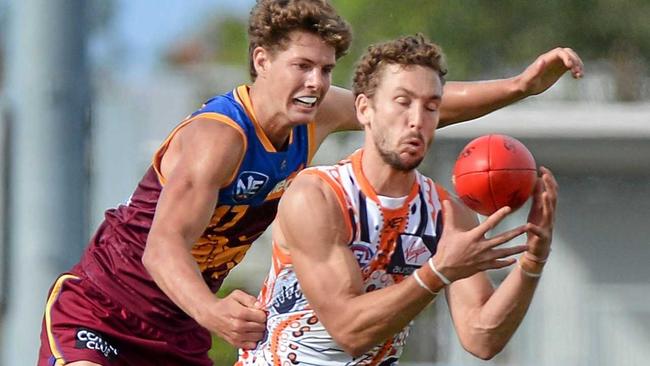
220, 117
205, 128
221, 103
308, 180
311, 186
227, 107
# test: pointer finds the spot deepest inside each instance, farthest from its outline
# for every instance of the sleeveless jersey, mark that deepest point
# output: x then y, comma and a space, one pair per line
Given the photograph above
388, 243
246, 206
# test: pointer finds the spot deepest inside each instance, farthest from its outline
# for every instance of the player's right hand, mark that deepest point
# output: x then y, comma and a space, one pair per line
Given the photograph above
548, 68
464, 250
237, 318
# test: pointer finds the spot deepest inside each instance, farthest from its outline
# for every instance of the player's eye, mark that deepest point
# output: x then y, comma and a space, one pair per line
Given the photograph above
302, 66
403, 101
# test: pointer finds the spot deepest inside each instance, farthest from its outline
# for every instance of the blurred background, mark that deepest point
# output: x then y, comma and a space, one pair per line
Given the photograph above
89, 88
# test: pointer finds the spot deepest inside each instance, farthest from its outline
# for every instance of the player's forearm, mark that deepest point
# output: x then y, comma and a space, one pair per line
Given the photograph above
464, 101
493, 325
362, 322
176, 273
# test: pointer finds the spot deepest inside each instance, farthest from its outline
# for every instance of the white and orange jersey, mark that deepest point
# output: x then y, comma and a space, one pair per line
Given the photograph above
390, 238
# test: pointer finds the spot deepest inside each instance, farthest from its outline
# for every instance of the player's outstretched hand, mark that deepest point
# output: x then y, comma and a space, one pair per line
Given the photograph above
548, 68
238, 319
464, 250
542, 215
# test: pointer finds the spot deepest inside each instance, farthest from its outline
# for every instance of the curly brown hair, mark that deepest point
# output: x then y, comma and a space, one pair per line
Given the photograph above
405, 51
271, 21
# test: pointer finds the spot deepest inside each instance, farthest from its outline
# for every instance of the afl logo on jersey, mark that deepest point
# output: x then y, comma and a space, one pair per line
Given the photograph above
363, 251
249, 184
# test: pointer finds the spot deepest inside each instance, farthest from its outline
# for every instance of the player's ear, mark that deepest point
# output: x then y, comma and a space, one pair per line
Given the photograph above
261, 57
364, 109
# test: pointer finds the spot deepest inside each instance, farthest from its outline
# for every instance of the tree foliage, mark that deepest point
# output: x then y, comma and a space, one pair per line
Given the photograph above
487, 39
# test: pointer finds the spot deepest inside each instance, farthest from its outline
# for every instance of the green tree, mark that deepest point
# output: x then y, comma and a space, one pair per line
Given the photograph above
488, 39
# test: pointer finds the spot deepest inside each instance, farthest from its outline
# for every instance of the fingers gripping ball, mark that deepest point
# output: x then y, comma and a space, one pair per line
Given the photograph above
493, 171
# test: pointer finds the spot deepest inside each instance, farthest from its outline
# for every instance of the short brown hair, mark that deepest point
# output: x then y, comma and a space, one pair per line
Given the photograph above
271, 21
405, 51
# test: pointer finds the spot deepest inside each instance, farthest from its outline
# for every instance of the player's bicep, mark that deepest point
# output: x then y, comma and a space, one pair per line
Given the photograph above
207, 155
314, 227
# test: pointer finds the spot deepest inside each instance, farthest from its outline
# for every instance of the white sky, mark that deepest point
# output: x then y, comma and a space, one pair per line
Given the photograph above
142, 29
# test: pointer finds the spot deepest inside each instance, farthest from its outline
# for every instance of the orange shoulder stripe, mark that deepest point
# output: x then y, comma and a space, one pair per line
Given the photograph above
311, 141
218, 117
340, 197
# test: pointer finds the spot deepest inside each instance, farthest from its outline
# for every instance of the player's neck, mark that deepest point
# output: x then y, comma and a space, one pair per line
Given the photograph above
385, 180
275, 128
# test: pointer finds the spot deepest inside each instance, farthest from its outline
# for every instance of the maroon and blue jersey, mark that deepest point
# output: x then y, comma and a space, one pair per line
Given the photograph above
246, 207
109, 309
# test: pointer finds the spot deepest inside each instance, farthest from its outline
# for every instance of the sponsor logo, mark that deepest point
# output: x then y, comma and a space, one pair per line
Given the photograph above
249, 184
286, 298
414, 250
90, 339
282, 185
405, 270
395, 222
362, 251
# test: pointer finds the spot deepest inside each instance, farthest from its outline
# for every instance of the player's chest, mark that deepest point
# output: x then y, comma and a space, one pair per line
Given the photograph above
395, 245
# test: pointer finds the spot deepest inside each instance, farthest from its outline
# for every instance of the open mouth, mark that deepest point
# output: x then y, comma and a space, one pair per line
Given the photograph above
414, 142
307, 102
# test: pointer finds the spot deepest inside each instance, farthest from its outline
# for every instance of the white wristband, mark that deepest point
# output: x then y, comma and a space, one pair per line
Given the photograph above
422, 284
528, 274
442, 277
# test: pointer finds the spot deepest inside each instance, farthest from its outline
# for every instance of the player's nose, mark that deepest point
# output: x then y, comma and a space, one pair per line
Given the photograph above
315, 80
416, 117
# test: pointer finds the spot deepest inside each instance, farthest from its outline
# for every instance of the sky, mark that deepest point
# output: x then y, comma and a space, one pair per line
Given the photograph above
142, 29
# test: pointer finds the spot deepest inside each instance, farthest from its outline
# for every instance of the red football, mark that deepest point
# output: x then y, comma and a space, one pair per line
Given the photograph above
493, 171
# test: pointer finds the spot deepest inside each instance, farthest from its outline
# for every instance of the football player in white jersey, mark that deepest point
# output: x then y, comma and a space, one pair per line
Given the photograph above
346, 279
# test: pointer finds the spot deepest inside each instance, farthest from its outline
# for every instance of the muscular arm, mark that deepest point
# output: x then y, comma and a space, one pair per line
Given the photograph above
464, 101
313, 227
195, 168
486, 319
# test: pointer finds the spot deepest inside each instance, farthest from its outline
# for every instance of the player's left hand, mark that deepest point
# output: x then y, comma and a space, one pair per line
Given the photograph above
542, 215
548, 68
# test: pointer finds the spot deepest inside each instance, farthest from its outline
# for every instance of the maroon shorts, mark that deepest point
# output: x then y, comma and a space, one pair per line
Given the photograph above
82, 324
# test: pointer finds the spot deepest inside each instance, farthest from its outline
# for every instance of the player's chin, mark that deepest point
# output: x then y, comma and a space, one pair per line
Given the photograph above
413, 153
410, 161
302, 118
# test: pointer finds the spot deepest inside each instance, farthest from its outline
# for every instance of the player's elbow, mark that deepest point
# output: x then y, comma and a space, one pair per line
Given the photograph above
357, 334
484, 348
151, 259
351, 344
347, 336
484, 352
